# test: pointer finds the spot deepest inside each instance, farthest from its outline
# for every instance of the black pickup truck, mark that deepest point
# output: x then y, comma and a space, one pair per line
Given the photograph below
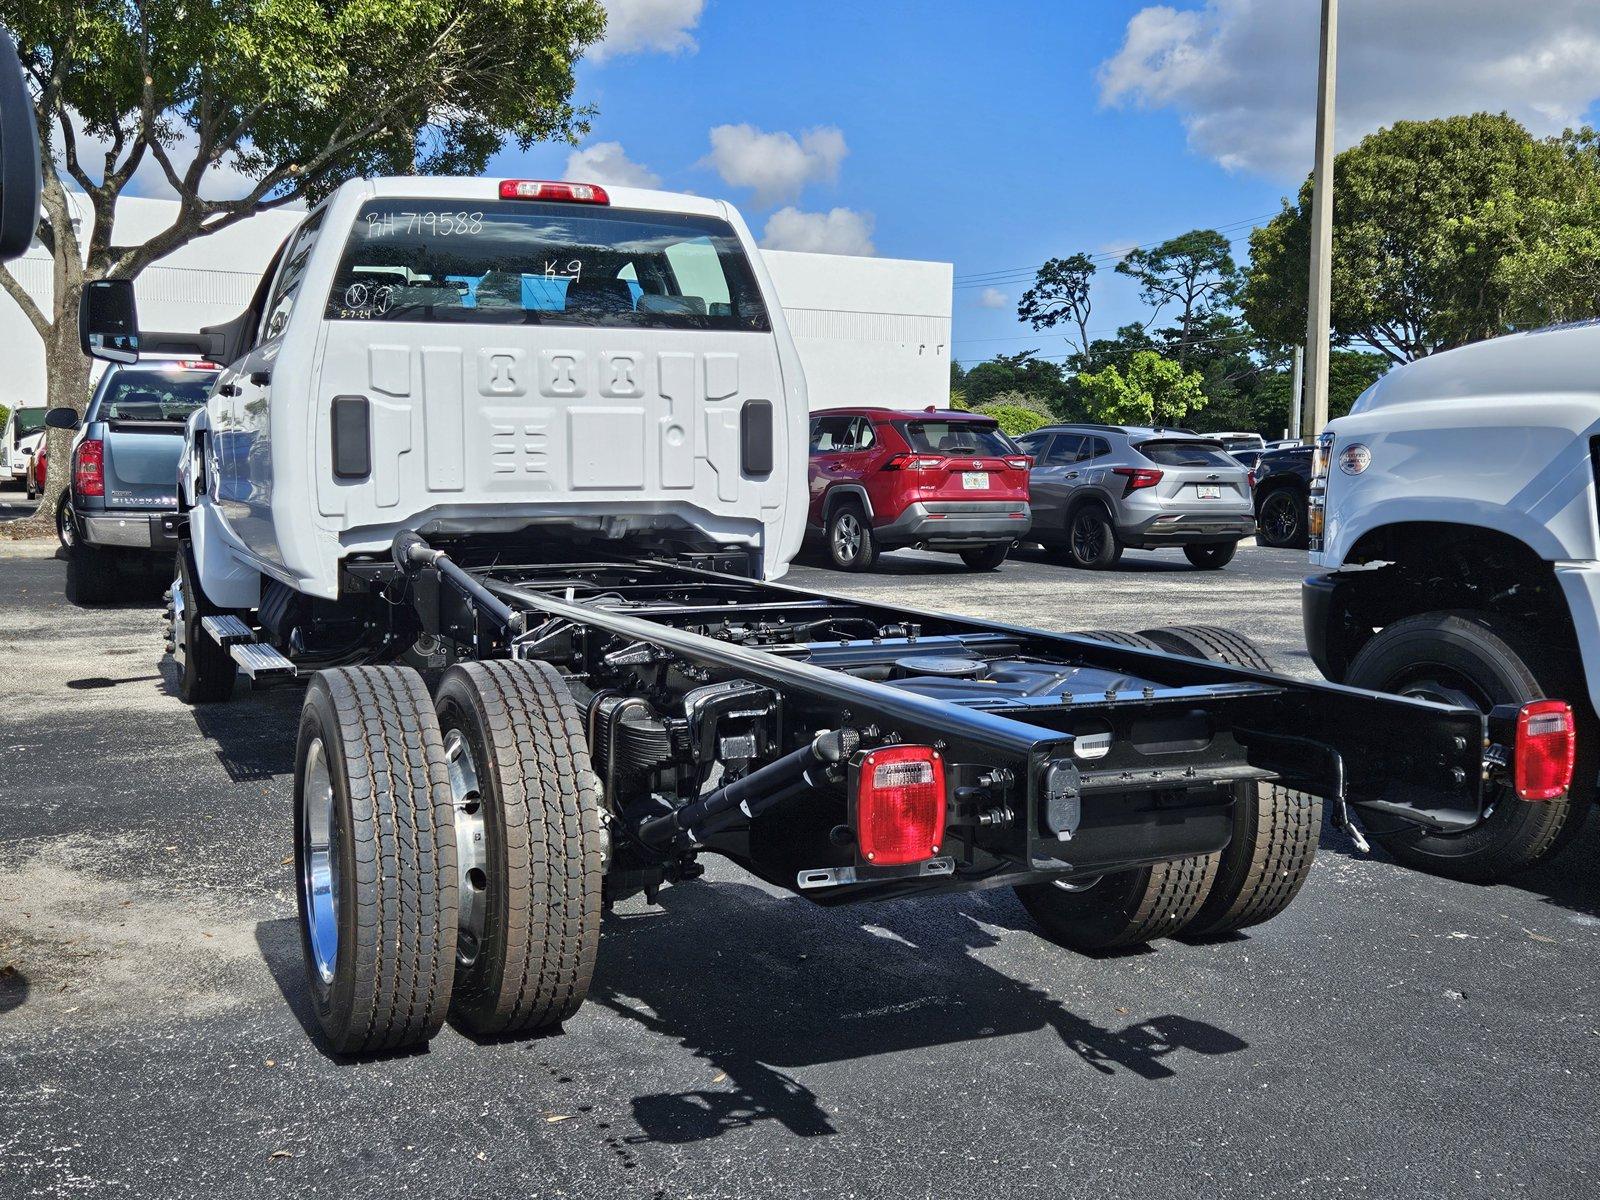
1283, 478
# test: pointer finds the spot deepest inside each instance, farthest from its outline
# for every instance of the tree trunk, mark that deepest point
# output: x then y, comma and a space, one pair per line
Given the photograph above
67, 372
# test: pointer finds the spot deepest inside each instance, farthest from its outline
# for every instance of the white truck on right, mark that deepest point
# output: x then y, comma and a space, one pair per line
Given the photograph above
1454, 515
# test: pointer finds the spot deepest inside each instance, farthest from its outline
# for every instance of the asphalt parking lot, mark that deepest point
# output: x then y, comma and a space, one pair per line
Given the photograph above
1391, 1035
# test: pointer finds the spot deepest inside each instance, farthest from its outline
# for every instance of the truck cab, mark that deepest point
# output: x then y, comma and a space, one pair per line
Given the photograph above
467, 357
1454, 522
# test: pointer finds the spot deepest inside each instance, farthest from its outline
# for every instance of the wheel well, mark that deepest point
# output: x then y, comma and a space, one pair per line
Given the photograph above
837, 496
1080, 502
1429, 566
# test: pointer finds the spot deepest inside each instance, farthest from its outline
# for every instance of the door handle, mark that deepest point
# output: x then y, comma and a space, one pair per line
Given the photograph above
261, 378
1072, 474
228, 389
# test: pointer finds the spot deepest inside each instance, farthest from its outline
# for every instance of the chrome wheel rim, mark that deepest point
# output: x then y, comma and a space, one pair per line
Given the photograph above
319, 862
1088, 537
1280, 517
1078, 885
64, 529
847, 537
176, 635
472, 857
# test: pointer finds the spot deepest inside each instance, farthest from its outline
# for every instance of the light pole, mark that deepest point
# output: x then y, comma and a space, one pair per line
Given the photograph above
1320, 297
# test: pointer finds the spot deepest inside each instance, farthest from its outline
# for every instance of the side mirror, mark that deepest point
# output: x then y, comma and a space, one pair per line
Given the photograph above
61, 418
19, 157
108, 321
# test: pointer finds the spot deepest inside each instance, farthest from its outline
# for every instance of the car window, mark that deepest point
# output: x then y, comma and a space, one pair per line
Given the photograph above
520, 262
829, 434
28, 421
956, 437
1187, 454
1095, 447
1033, 444
154, 394
861, 436
1064, 449
291, 274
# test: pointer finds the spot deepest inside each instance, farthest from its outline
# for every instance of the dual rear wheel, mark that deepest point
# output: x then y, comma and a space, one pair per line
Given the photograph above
1251, 880
449, 851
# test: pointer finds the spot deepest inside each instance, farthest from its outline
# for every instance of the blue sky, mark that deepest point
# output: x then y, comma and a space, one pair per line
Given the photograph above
974, 136
996, 134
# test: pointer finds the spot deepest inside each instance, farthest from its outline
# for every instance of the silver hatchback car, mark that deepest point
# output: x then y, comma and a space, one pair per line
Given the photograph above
1097, 490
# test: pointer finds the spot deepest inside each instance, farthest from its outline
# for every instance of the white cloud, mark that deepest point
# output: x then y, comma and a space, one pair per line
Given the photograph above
837, 231
993, 298
776, 165
1241, 74
645, 26
608, 163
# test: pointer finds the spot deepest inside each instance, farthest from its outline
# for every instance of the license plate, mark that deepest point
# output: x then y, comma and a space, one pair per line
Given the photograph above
975, 481
1210, 491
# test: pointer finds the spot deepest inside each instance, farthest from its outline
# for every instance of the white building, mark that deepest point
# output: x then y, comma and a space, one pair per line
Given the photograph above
869, 330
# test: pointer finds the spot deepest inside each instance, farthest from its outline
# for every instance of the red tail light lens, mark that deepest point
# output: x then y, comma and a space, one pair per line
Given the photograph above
539, 189
900, 805
89, 468
1547, 745
913, 462
1137, 477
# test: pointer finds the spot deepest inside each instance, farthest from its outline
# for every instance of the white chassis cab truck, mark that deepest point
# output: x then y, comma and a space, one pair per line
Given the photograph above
508, 470
1454, 516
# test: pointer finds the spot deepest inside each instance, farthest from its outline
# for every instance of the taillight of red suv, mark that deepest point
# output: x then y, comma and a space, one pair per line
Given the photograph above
89, 468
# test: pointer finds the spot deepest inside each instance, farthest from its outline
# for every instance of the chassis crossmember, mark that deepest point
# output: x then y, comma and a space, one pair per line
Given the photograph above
735, 716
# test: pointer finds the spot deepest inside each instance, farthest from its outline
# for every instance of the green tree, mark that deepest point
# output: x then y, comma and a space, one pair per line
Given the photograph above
1147, 390
295, 96
1061, 293
1444, 232
1194, 271
1020, 372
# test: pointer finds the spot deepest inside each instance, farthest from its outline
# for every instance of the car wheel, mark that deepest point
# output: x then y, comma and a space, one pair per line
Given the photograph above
1475, 661
851, 546
66, 529
1212, 556
375, 852
205, 670
1091, 539
1282, 522
1120, 911
986, 558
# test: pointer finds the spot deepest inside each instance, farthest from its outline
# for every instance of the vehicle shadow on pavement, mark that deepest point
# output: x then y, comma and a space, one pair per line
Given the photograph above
254, 734
1567, 880
759, 986
14, 987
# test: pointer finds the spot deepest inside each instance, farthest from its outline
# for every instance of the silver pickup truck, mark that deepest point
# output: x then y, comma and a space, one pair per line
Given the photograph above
124, 473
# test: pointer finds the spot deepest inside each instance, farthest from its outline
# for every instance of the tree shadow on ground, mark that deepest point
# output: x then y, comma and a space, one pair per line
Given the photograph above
722, 972
14, 987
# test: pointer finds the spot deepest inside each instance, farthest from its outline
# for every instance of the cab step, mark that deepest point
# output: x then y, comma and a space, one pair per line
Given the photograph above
262, 664
226, 629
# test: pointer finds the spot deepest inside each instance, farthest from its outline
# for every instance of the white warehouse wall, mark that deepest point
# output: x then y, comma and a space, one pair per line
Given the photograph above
869, 330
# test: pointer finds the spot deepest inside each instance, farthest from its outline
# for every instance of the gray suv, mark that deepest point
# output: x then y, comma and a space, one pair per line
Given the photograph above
1097, 490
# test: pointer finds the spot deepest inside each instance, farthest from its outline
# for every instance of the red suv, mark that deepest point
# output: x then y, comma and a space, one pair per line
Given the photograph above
935, 480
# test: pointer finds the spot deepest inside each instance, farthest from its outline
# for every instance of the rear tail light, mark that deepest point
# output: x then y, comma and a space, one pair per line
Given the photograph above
900, 805
1137, 477
89, 468
1021, 463
1250, 480
913, 462
539, 189
1547, 745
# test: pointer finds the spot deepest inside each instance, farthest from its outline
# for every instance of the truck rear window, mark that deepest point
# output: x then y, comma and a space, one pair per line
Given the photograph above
137, 394
515, 262
1187, 454
956, 437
